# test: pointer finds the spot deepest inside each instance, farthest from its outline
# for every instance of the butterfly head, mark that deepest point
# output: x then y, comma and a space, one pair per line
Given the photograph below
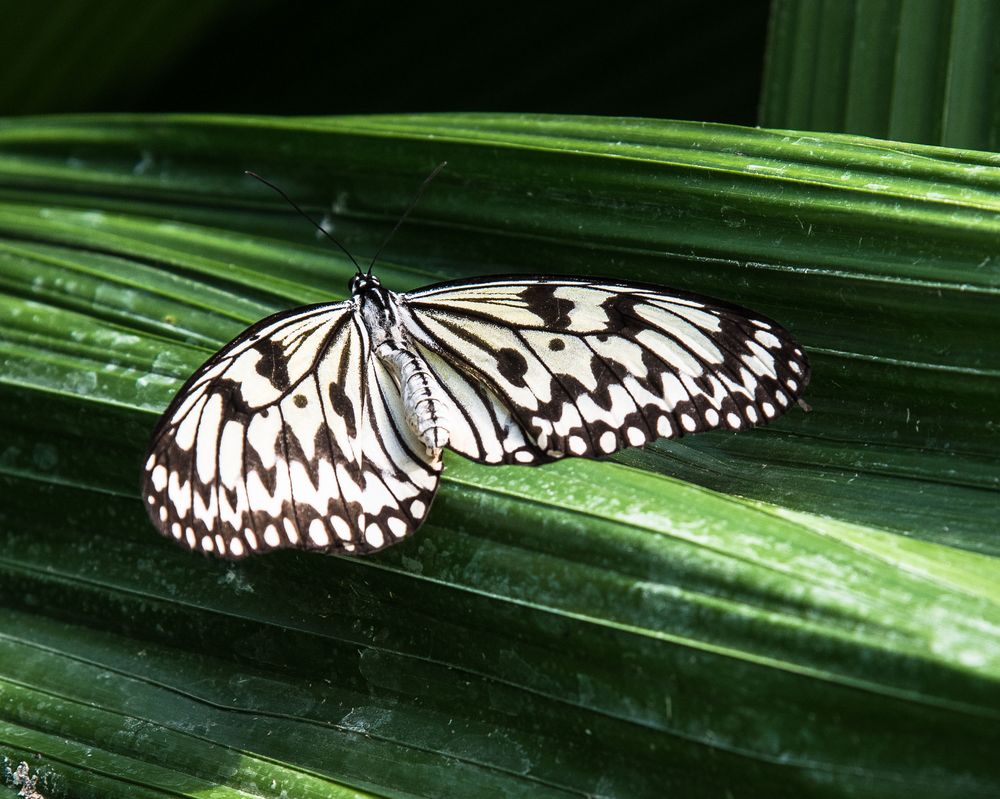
361, 283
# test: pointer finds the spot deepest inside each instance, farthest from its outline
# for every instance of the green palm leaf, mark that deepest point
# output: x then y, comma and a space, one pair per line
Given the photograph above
617, 629
915, 70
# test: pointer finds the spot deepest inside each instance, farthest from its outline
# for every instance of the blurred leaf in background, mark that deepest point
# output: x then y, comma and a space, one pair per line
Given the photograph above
912, 70
62, 55
674, 59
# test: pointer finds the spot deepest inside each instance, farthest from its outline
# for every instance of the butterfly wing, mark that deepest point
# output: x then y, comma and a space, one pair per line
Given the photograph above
290, 436
586, 367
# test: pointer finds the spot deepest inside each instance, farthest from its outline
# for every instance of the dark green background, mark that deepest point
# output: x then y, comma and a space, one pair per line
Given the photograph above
677, 60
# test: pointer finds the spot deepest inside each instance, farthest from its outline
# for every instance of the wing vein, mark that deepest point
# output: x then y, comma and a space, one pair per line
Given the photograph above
252, 519
288, 468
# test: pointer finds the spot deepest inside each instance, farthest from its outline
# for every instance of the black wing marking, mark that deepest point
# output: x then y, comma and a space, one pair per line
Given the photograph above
587, 367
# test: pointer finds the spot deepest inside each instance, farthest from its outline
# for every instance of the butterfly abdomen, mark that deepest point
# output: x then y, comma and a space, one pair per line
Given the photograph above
425, 410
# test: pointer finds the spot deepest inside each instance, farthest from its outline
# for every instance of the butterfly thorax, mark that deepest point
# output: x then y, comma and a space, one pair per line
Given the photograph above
425, 410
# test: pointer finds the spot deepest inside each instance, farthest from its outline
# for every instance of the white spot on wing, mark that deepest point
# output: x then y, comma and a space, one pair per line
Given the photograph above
271, 537
231, 453
767, 339
318, 534
341, 528
208, 438
374, 536
184, 437
159, 477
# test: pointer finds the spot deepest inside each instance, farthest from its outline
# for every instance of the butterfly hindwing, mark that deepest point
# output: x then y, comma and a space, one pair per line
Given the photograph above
286, 438
482, 427
400, 477
587, 367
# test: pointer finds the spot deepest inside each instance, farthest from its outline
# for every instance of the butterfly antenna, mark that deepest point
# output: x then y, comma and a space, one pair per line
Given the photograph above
316, 224
406, 213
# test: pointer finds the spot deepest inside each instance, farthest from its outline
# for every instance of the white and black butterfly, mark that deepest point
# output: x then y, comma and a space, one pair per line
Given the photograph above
322, 427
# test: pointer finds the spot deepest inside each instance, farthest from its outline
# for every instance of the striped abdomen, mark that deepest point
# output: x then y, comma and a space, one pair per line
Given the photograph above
425, 411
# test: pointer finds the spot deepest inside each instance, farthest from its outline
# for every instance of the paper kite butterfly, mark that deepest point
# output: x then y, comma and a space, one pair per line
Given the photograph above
322, 427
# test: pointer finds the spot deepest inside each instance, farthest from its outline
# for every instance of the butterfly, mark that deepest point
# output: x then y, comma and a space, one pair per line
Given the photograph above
322, 427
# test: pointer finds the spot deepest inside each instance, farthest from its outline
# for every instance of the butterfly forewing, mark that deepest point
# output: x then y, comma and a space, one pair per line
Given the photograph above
277, 442
588, 367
